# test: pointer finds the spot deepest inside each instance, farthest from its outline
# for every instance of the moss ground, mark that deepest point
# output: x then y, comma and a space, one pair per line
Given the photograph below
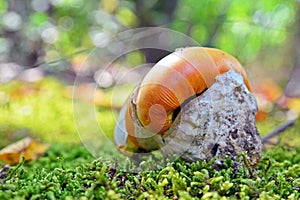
69, 171
72, 173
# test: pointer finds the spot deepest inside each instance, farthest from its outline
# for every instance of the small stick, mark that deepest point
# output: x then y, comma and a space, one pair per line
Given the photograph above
278, 130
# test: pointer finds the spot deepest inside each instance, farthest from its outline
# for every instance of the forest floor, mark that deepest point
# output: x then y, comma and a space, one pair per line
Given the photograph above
68, 170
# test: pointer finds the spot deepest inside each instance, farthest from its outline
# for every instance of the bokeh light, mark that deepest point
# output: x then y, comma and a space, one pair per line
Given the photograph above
12, 21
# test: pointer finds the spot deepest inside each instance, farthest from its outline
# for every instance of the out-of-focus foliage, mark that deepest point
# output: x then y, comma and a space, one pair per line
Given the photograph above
44, 110
33, 33
51, 29
242, 28
38, 30
37, 109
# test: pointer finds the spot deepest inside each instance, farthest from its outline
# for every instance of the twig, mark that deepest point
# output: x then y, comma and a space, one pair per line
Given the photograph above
62, 58
278, 130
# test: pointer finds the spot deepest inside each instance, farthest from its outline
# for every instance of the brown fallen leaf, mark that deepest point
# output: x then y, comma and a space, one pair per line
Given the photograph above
86, 93
90, 94
27, 147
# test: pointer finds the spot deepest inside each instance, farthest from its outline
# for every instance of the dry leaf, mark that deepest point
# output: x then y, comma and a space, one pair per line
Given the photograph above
24, 90
267, 93
89, 94
86, 93
27, 147
268, 89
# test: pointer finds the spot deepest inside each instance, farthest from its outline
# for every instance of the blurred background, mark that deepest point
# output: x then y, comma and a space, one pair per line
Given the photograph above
44, 44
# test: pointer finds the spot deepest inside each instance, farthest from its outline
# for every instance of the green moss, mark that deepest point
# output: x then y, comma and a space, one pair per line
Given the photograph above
72, 173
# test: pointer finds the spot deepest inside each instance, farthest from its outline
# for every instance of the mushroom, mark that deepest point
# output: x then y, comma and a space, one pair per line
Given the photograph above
196, 103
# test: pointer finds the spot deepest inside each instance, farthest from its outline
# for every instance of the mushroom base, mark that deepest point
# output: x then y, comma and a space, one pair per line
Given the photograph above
218, 123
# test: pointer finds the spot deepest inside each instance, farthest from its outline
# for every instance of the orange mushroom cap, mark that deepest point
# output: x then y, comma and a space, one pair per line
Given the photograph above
180, 75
